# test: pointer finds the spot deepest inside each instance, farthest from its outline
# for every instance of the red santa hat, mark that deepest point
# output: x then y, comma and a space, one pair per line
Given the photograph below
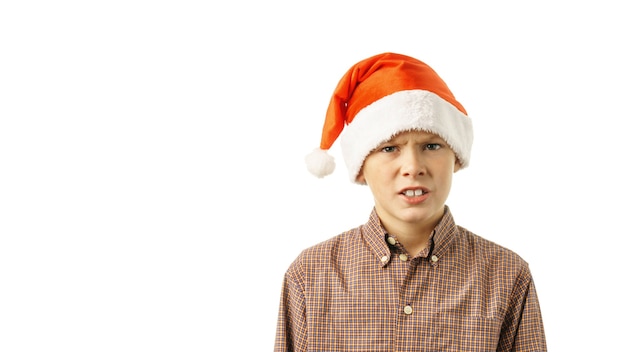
380, 97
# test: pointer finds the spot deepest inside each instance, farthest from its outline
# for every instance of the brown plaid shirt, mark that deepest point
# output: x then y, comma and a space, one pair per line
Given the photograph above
360, 291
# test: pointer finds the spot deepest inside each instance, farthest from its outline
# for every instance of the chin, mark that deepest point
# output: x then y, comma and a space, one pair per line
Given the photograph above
414, 217
420, 216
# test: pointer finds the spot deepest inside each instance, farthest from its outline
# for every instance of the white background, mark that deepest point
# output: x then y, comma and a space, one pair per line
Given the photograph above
152, 183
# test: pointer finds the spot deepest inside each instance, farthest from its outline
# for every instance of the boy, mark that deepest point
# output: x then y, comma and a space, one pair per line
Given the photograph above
409, 279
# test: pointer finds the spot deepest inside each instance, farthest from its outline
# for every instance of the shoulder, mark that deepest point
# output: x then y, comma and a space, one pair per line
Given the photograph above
330, 247
329, 256
489, 253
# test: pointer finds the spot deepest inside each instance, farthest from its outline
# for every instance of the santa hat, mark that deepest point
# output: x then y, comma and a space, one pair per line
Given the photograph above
380, 97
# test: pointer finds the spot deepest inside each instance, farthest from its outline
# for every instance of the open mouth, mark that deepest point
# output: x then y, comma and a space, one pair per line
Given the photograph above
413, 192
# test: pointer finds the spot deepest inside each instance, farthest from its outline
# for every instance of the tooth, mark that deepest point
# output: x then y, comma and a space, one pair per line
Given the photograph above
413, 193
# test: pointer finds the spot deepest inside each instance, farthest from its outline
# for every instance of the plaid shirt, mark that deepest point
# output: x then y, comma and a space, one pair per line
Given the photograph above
361, 291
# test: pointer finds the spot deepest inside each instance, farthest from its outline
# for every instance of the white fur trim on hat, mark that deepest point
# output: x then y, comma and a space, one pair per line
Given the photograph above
403, 111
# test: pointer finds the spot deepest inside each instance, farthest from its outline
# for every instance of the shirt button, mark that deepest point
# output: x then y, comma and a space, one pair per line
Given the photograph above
391, 240
408, 310
384, 258
404, 257
434, 258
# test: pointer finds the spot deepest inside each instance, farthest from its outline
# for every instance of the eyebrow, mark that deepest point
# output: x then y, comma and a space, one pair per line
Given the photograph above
421, 139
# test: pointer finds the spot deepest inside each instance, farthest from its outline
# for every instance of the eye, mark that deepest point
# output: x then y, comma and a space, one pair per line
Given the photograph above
388, 149
433, 146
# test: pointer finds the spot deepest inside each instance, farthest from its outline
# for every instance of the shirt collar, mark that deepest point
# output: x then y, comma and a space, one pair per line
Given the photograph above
375, 236
441, 239
444, 234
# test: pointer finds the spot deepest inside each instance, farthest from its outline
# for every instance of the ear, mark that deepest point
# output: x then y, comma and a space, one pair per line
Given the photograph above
457, 165
360, 179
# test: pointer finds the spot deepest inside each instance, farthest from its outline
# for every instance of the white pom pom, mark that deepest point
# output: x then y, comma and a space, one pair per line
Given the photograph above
320, 163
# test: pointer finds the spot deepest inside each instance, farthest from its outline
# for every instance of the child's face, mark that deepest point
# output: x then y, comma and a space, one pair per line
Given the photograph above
410, 177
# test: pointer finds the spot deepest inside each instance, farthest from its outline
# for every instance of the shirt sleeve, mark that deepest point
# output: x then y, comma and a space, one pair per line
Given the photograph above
522, 329
291, 330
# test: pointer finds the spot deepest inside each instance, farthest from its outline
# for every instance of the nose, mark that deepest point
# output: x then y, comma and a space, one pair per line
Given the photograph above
412, 163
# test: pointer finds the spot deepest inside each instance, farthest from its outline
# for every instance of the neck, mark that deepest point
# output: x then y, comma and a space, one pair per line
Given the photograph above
413, 238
